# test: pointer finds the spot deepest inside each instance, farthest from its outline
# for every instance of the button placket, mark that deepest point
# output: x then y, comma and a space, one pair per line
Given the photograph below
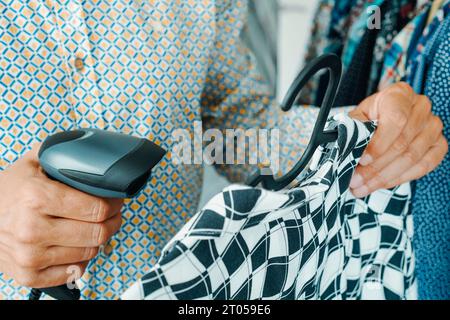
79, 63
85, 92
52, 27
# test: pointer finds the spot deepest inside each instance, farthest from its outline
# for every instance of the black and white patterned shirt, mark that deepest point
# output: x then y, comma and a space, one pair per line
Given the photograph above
314, 241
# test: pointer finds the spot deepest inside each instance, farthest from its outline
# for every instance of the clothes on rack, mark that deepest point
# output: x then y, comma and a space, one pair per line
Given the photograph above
338, 28
398, 14
358, 26
354, 82
416, 73
437, 4
314, 241
431, 201
338, 40
397, 57
318, 42
363, 74
362, 49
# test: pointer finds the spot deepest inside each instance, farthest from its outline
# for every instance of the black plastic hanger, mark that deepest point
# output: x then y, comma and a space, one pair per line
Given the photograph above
333, 64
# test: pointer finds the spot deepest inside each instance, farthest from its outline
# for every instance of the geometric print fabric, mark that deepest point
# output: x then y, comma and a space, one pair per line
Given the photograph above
144, 68
314, 241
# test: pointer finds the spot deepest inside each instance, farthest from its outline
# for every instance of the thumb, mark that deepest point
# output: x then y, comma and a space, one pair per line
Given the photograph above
363, 111
31, 157
33, 153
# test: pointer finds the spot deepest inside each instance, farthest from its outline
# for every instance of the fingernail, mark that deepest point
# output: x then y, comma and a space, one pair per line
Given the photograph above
365, 160
361, 192
357, 181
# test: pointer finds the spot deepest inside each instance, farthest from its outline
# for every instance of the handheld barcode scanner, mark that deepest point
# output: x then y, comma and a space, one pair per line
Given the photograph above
101, 163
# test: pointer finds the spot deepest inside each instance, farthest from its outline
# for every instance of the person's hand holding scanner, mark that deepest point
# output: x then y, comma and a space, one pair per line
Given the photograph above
408, 144
46, 226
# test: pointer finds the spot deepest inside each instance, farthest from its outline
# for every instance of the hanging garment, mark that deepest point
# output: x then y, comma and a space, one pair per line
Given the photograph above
358, 22
343, 15
398, 14
396, 58
431, 201
340, 20
318, 41
416, 70
336, 37
437, 4
362, 77
315, 241
355, 79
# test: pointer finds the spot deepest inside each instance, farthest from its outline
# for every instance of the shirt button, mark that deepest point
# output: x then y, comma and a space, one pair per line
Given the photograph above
79, 63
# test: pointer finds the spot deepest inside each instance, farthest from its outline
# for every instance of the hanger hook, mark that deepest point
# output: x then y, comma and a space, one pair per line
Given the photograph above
332, 63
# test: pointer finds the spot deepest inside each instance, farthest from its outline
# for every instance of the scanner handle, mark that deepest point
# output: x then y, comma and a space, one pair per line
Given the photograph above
62, 292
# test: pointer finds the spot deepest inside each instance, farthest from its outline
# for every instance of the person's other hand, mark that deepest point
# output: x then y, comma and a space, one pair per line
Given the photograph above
407, 145
46, 226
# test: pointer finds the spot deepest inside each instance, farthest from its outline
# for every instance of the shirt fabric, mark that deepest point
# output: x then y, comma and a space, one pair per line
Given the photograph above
361, 78
138, 67
318, 42
431, 208
397, 57
314, 241
358, 26
416, 72
331, 33
355, 79
398, 15
336, 37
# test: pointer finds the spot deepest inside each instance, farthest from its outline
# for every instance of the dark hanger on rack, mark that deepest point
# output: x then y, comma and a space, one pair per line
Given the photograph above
333, 64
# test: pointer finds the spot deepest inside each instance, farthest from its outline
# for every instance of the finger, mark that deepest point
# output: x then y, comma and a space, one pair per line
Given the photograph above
31, 158
27, 256
80, 234
43, 258
361, 113
417, 122
69, 203
5, 251
29, 163
428, 163
32, 155
59, 275
49, 277
390, 177
66, 255
392, 110
399, 162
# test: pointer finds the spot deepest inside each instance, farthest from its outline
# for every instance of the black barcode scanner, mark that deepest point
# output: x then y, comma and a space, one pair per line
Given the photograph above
102, 163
